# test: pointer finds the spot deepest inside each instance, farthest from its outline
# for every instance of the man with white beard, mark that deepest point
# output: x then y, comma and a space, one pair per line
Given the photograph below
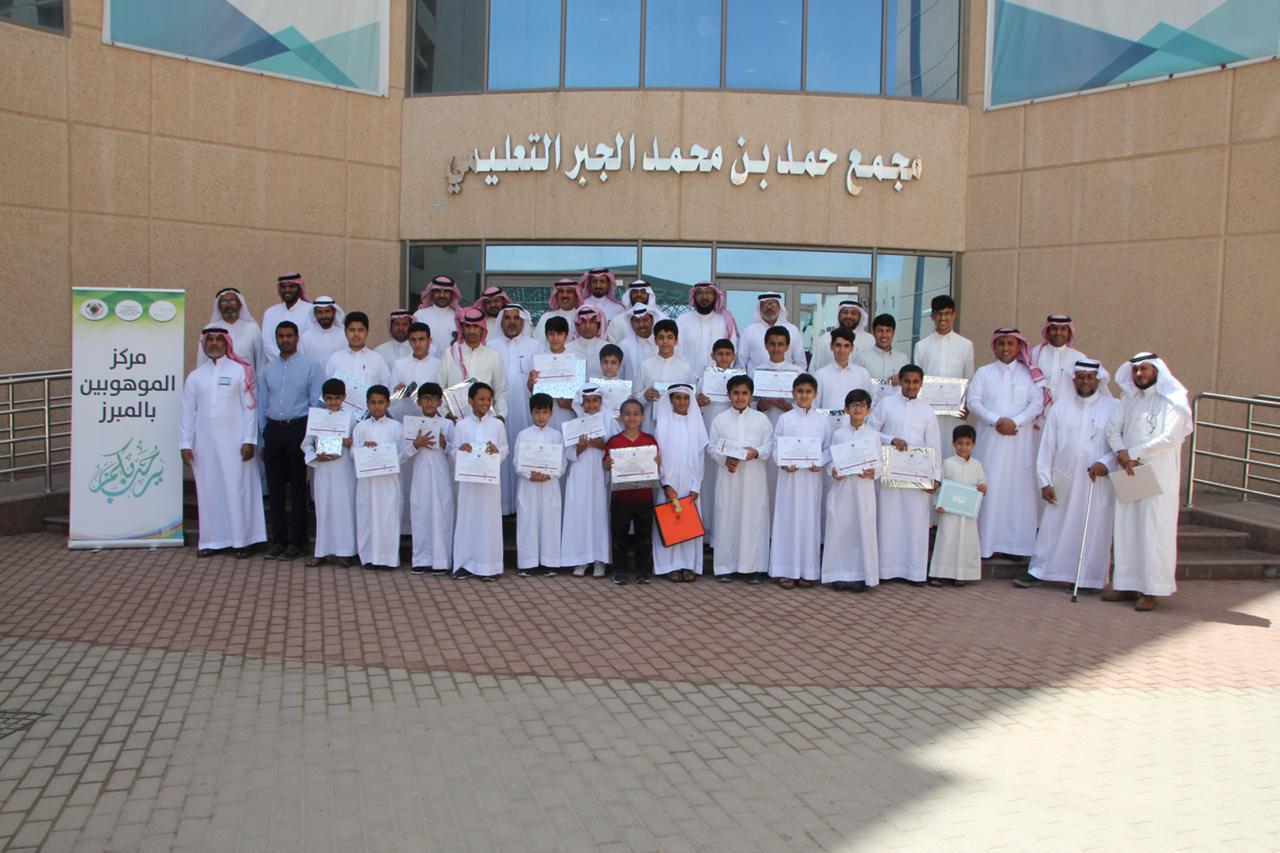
439, 309
516, 348
1073, 459
293, 305
1148, 428
769, 313
398, 330
598, 289
231, 312
325, 334
708, 321
851, 316
638, 293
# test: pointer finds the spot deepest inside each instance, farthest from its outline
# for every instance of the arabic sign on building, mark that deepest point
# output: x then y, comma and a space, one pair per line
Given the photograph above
543, 154
126, 404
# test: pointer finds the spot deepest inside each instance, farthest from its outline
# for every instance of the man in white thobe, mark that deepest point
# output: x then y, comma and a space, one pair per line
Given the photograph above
945, 353
588, 326
850, 315
563, 302
1004, 400
769, 313
1148, 428
598, 289
217, 438
1073, 461
469, 358
1056, 357
397, 347
231, 312
356, 365
516, 348
882, 361
325, 335
293, 305
638, 293
638, 344
837, 378
708, 321
439, 308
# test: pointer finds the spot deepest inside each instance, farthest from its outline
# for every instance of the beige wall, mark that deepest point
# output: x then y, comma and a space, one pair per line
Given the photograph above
123, 168
928, 214
1150, 214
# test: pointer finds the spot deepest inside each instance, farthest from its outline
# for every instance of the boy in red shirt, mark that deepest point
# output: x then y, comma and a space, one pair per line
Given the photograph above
631, 506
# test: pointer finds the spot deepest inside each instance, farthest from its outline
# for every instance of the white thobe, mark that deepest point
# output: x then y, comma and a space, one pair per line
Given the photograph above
634, 352
751, 351
741, 528
246, 340
318, 344
333, 489
956, 552
392, 351
1073, 439
430, 498
216, 421
588, 349
419, 371
822, 355
482, 364
1152, 430
299, 314
378, 499
360, 370
684, 478
658, 369
851, 552
620, 325
540, 331
903, 515
610, 308
773, 413
1010, 508
835, 383
516, 355
797, 509
698, 334
946, 355
538, 506
1058, 364
443, 323
585, 538
477, 535
882, 365
707, 499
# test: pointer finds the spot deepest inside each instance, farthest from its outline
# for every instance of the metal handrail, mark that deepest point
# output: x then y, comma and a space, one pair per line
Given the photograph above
45, 437
1253, 428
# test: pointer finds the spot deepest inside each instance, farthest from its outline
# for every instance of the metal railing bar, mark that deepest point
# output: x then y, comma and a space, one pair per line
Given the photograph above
1264, 479
1240, 489
1213, 455
1236, 429
1270, 403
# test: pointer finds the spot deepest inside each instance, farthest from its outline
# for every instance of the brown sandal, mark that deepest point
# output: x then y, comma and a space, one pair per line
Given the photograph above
315, 561
786, 583
804, 584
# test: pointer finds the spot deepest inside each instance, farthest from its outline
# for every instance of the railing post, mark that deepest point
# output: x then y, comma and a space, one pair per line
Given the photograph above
48, 442
13, 447
1248, 453
1191, 463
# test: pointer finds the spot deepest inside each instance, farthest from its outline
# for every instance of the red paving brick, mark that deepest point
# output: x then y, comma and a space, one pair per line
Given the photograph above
1213, 633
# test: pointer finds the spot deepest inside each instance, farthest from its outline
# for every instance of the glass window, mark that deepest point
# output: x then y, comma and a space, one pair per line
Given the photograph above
672, 270
602, 44
682, 44
905, 284
526, 272
47, 14
762, 45
461, 263
793, 263
524, 44
922, 49
448, 46
842, 48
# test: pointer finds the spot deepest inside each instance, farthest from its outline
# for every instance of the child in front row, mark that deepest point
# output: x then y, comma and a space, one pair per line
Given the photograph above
630, 508
477, 535
956, 555
333, 485
426, 454
378, 499
723, 355
585, 539
797, 510
850, 557
538, 508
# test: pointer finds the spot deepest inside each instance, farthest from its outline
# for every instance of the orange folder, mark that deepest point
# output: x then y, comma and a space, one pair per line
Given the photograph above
674, 527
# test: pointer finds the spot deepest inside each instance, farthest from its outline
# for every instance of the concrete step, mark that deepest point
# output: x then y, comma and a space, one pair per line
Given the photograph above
1196, 537
1193, 564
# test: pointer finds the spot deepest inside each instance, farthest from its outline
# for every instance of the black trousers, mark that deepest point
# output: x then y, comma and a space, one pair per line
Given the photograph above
286, 479
621, 515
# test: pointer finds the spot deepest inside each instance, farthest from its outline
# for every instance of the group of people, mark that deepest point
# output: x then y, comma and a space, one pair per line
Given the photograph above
1037, 436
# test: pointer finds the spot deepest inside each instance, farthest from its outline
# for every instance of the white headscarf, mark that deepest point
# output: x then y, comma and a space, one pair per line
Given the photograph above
327, 302
681, 440
862, 313
1104, 389
1166, 385
526, 332
587, 390
638, 285
245, 313
782, 308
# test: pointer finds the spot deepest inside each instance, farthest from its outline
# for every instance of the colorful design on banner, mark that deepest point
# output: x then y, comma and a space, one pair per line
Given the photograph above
339, 42
1040, 48
126, 406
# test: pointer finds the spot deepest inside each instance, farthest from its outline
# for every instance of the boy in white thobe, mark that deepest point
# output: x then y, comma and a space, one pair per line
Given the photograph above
426, 454
359, 367
945, 353
956, 554
585, 539
850, 559
723, 356
666, 367
538, 505
797, 510
418, 368
777, 344
378, 499
333, 489
882, 361
840, 375
477, 536
682, 445
742, 526
556, 334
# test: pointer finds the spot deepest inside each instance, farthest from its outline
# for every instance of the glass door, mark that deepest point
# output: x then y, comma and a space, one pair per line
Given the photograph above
811, 305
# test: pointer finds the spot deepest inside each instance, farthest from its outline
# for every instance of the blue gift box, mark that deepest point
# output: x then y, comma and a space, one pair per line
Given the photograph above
959, 498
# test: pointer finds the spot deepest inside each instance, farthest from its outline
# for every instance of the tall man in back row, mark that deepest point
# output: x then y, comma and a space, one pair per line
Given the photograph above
945, 353
293, 306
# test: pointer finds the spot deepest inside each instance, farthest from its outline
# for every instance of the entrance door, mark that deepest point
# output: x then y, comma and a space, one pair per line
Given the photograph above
811, 305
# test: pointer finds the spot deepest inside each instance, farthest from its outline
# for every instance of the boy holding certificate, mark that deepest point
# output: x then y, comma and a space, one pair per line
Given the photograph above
722, 356
426, 445
333, 486
849, 558
956, 556
477, 535
631, 508
777, 343
378, 498
584, 542
557, 333
799, 449
665, 367
740, 441
538, 507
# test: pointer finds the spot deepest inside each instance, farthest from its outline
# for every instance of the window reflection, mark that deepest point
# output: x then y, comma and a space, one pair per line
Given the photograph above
462, 263
602, 44
559, 258
793, 263
922, 49
842, 46
524, 44
762, 45
904, 286
46, 14
672, 270
448, 46
682, 44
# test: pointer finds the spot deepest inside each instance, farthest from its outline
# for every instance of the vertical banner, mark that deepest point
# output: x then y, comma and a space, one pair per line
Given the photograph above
126, 407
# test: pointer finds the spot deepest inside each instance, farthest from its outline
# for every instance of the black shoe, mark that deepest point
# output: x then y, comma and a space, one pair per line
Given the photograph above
460, 574
386, 568
1026, 580
436, 571
755, 578
858, 586
913, 583
293, 552
419, 570
839, 586
525, 573
274, 552
205, 552
548, 573
488, 578
620, 577
643, 578
725, 578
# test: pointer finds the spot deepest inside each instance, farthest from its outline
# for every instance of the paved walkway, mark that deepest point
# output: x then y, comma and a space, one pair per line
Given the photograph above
216, 705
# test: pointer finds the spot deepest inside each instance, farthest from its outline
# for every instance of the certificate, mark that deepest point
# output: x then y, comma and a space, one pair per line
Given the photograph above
455, 398
416, 425
354, 412
1143, 484
851, 459
715, 382
907, 469
592, 426
322, 422
541, 458
798, 451
376, 461
945, 394
559, 374
478, 466
959, 498
774, 383
613, 393
634, 467
730, 448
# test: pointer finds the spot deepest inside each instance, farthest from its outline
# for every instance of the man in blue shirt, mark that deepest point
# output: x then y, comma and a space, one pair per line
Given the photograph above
287, 387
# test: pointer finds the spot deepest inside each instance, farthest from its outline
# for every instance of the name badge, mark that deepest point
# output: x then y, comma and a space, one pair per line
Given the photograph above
224, 380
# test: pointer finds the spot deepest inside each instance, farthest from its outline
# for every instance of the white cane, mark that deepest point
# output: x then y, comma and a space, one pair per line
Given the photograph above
1084, 538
